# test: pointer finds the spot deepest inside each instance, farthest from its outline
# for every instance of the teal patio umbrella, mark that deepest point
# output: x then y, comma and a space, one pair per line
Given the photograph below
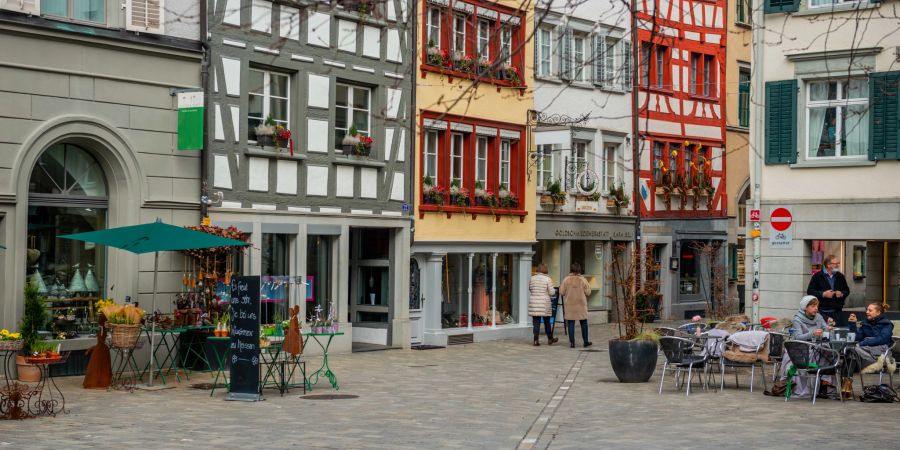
154, 237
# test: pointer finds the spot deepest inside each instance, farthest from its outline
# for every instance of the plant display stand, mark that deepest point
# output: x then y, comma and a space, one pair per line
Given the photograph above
324, 369
126, 362
46, 398
14, 396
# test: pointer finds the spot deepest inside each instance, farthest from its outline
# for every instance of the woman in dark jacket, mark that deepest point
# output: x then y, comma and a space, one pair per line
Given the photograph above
873, 334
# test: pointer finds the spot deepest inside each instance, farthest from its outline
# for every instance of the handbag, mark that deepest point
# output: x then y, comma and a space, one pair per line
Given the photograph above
879, 393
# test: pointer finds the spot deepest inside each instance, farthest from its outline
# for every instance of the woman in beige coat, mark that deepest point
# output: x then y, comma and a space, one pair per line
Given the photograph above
575, 290
540, 289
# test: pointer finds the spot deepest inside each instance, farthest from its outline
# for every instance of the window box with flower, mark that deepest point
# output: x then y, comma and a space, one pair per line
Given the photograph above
356, 144
437, 56
271, 134
431, 194
459, 196
484, 197
507, 198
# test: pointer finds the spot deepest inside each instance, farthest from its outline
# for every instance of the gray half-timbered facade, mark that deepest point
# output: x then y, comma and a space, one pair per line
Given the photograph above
337, 222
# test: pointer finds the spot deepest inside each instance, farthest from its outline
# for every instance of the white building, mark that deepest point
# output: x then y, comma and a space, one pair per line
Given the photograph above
582, 133
831, 142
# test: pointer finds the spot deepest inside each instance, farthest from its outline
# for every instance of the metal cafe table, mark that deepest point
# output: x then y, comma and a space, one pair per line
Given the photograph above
281, 366
324, 369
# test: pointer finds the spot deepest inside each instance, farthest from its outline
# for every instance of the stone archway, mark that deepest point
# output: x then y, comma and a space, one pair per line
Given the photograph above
126, 185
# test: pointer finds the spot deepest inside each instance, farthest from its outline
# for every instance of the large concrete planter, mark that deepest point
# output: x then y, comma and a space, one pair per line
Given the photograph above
633, 361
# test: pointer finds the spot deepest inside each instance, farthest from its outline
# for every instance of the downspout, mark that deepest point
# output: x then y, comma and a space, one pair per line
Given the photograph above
204, 84
884, 275
635, 143
757, 149
411, 170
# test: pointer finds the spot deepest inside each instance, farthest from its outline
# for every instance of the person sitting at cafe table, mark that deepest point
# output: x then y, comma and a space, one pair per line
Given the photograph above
808, 324
873, 335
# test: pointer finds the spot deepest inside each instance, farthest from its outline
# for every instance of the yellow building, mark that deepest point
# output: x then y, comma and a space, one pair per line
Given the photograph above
474, 218
737, 139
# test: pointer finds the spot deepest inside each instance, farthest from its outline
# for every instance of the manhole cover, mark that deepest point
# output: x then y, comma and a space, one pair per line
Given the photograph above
329, 396
425, 365
425, 347
593, 350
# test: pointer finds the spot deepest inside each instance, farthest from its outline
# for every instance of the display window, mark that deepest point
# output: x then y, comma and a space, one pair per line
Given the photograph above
492, 284
67, 194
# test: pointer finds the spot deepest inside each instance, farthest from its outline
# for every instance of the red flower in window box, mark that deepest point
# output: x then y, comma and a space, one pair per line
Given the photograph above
283, 137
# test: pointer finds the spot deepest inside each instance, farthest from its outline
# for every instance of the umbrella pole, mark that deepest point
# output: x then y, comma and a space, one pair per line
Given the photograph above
153, 324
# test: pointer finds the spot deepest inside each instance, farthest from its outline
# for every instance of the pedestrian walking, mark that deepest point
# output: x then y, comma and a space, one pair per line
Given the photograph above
830, 287
540, 289
575, 290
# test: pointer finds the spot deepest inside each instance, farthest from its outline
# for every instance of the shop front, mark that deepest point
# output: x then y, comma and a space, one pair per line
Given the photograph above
472, 292
348, 270
588, 242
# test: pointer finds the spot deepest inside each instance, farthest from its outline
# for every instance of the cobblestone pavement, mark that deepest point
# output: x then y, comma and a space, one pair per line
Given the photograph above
485, 395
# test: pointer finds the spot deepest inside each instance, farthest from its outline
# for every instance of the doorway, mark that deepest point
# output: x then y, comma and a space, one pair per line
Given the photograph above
370, 285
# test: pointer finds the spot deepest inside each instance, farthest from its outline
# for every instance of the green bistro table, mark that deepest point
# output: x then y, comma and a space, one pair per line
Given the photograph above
168, 341
324, 369
193, 349
269, 357
221, 358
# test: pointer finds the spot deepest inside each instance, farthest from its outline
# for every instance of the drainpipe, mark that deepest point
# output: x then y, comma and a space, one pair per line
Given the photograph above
204, 84
413, 113
884, 275
635, 143
756, 97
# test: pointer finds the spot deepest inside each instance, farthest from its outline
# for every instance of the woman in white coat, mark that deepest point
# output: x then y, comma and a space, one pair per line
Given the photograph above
540, 289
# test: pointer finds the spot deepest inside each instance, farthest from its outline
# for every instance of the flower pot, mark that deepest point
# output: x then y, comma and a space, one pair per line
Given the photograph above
348, 148
633, 361
265, 140
27, 372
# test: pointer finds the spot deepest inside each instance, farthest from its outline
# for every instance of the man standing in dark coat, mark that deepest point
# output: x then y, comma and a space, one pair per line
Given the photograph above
830, 287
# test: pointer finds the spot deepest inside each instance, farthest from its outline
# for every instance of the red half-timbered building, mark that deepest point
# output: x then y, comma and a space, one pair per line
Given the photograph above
680, 49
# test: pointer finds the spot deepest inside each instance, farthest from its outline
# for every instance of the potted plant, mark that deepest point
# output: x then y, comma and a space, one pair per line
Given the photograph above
503, 72
513, 75
124, 323
33, 319
463, 62
364, 147
483, 67
436, 56
265, 133
618, 198
507, 198
459, 196
350, 141
484, 197
282, 137
432, 195
633, 354
554, 195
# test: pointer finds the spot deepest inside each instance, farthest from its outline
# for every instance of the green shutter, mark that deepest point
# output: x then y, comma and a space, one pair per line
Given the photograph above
565, 57
884, 115
781, 122
779, 6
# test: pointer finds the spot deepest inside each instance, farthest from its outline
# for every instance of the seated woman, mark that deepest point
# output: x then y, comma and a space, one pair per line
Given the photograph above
872, 334
809, 325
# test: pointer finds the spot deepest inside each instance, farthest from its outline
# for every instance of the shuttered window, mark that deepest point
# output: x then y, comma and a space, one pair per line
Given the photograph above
781, 122
884, 132
145, 16
777, 6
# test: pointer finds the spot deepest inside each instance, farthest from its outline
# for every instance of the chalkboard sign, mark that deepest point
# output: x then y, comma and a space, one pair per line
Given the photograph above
244, 339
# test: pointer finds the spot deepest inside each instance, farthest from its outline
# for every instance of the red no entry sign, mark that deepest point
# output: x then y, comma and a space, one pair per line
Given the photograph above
781, 219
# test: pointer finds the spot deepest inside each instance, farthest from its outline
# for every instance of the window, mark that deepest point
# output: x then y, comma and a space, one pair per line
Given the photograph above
744, 97
480, 282
504, 163
67, 194
505, 45
351, 109
274, 267
545, 165
545, 39
689, 160
268, 96
433, 27
457, 150
657, 162
829, 3
83, 10
578, 58
459, 34
674, 154
484, 39
645, 63
431, 157
709, 88
659, 70
695, 62
837, 117
481, 161
742, 11
579, 160
609, 60
610, 167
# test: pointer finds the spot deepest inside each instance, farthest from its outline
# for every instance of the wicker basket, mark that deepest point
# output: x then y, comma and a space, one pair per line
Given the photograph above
124, 336
12, 345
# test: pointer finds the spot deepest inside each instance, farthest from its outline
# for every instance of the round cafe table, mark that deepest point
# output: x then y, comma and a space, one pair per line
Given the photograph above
324, 369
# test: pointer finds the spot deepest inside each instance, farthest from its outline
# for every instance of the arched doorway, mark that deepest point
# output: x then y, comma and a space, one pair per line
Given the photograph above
67, 193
